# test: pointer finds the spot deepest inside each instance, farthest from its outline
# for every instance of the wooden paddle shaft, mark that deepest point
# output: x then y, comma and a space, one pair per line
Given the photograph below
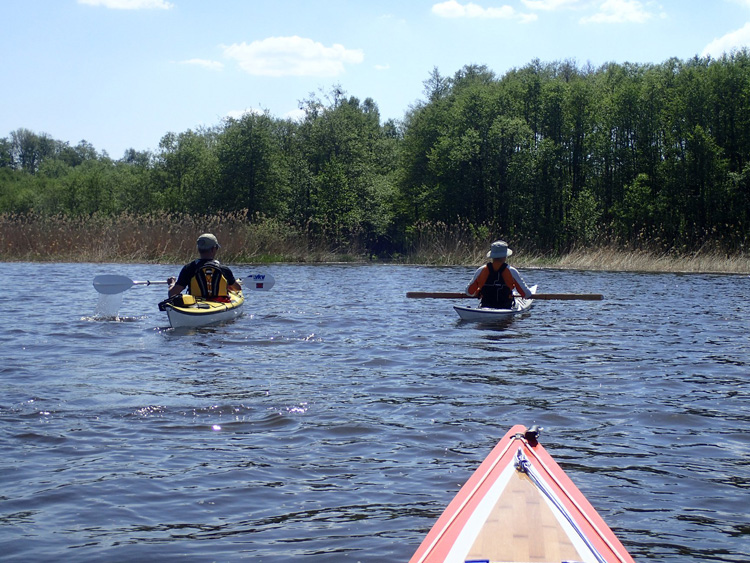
547, 296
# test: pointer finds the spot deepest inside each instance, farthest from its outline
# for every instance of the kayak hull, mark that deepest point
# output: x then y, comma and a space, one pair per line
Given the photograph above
205, 313
508, 514
485, 314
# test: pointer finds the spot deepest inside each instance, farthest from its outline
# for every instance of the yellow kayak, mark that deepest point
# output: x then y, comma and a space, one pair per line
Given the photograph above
192, 311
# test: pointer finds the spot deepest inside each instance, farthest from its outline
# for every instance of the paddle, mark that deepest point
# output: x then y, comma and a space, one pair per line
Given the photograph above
262, 282
550, 296
110, 284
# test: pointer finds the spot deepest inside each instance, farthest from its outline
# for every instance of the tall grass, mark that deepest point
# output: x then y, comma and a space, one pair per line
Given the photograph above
170, 238
441, 243
160, 237
611, 258
467, 244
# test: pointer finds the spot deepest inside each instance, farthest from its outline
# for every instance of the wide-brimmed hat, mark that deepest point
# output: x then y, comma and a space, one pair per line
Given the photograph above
207, 241
499, 249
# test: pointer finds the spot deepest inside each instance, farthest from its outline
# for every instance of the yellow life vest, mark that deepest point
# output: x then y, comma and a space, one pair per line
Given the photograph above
209, 282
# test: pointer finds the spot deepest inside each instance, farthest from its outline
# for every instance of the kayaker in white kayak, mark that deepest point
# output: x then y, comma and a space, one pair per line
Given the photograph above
205, 277
494, 282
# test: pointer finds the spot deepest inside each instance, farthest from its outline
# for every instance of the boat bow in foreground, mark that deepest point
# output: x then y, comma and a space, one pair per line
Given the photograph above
519, 506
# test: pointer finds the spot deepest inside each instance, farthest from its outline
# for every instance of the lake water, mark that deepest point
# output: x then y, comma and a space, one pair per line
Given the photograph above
336, 419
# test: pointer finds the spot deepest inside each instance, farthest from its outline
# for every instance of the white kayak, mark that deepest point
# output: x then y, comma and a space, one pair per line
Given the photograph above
486, 314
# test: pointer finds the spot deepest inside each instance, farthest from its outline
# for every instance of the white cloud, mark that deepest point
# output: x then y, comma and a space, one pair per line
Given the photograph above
382, 67
620, 11
130, 4
453, 9
210, 65
240, 113
550, 5
726, 44
295, 115
292, 56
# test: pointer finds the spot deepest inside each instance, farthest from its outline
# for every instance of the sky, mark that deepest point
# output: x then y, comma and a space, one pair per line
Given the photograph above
121, 74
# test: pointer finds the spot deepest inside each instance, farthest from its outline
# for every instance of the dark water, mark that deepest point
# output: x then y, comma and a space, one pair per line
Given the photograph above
336, 419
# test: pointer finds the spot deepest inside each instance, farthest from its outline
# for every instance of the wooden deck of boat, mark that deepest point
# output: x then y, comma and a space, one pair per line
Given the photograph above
522, 528
520, 507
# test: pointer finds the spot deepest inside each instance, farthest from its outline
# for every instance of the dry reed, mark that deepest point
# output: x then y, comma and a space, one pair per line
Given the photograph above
162, 238
614, 259
170, 238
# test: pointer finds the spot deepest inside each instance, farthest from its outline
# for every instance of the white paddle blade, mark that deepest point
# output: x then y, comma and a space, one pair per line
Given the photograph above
259, 282
109, 284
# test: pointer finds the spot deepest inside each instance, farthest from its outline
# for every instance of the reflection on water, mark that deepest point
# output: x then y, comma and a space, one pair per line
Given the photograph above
336, 419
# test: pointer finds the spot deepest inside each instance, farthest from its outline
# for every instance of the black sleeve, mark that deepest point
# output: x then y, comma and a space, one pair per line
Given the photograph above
229, 275
185, 275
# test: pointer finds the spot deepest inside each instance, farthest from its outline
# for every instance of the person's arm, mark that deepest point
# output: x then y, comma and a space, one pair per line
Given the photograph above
478, 281
514, 280
234, 285
174, 287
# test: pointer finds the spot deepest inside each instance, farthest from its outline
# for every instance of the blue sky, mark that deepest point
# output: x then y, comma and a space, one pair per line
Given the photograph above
122, 73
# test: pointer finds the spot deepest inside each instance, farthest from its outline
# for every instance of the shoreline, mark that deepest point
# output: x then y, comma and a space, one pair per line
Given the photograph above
594, 260
167, 239
607, 260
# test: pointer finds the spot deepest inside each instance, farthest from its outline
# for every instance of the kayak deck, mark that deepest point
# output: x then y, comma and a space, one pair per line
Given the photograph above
521, 527
204, 312
519, 506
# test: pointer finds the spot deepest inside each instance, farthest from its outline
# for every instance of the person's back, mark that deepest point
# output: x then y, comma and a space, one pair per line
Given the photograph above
208, 280
495, 281
496, 293
205, 277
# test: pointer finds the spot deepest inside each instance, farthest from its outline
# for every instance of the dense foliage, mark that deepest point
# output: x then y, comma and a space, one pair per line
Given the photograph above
552, 156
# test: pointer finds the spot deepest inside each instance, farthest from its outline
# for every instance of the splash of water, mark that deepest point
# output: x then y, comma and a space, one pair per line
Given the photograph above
108, 305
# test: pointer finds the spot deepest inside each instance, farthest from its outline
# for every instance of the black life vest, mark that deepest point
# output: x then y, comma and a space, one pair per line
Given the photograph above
209, 281
495, 294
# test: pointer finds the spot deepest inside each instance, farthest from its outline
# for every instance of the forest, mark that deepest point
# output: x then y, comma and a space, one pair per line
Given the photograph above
552, 156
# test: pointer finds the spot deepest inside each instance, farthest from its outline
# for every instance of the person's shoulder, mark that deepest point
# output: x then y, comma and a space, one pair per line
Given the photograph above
478, 271
193, 266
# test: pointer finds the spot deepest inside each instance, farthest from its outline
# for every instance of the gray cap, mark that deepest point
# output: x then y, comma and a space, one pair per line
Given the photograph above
207, 241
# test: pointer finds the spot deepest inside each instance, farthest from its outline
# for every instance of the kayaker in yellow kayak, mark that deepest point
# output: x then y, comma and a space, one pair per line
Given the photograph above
205, 277
495, 281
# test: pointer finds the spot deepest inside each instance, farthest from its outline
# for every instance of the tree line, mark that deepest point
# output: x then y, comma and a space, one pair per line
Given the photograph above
555, 156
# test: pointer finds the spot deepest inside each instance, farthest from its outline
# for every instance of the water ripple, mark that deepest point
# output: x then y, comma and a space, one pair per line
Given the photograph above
338, 426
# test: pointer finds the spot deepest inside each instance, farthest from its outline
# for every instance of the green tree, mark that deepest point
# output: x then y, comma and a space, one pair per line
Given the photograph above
251, 176
351, 162
6, 158
29, 149
185, 172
